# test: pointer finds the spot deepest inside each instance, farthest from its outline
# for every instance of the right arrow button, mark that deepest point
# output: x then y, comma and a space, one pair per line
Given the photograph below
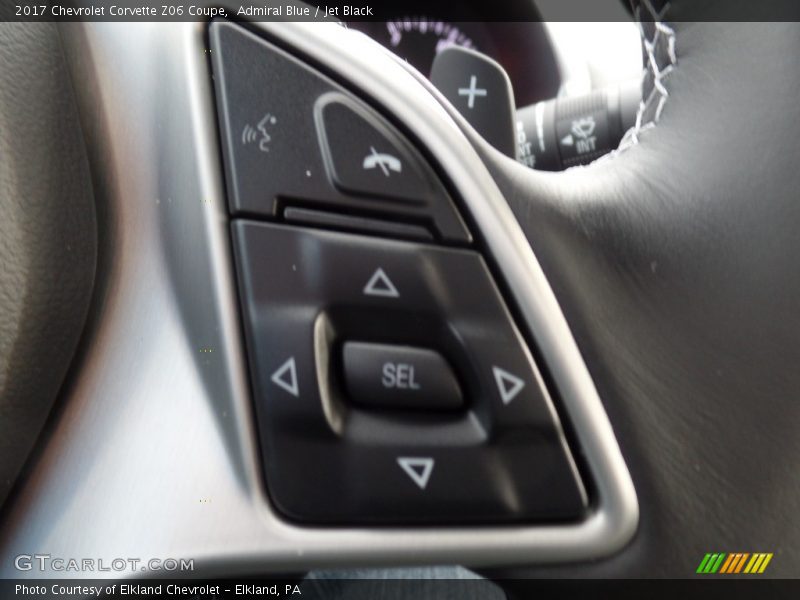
508, 385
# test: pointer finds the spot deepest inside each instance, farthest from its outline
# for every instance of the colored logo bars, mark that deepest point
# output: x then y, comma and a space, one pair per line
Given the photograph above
734, 563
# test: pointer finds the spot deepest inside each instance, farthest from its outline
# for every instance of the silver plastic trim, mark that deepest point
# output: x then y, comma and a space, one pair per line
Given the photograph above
154, 453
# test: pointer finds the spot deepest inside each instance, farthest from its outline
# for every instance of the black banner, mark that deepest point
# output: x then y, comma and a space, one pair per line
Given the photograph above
343, 588
385, 10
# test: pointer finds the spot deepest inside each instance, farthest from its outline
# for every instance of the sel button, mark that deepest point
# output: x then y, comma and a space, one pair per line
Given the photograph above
400, 377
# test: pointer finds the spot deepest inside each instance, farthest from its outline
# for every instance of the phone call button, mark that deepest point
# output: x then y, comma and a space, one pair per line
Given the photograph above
366, 156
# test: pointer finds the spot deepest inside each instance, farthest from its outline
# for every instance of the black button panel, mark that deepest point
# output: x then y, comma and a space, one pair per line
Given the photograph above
404, 377
391, 385
293, 136
305, 295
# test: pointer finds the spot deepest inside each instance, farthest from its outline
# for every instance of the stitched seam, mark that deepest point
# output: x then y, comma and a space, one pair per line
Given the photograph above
659, 94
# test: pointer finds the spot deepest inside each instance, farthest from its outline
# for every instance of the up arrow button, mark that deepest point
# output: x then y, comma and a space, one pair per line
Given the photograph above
380, 285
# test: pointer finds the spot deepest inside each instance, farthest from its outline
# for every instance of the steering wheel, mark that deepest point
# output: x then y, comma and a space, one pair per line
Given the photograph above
661, 280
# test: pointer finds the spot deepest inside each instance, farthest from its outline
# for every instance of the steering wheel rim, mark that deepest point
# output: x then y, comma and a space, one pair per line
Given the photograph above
48, 232
674, 262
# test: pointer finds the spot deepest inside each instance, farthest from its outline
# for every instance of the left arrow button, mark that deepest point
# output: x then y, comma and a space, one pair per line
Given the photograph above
286, 377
